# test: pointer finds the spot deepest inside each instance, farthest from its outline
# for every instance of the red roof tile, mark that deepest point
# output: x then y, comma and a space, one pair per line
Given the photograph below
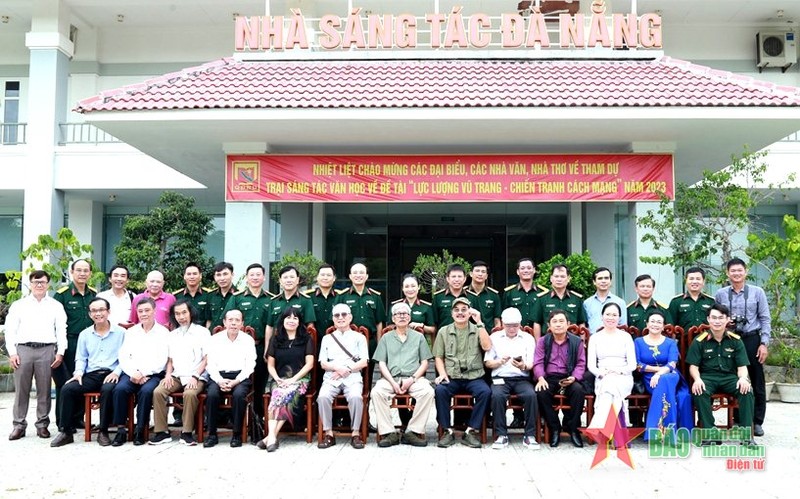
231, 84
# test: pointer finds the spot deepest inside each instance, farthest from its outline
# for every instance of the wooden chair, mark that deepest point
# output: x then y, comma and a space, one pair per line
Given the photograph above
465, 402
719, 401
91, 401
340, 402
227, 400
310, 397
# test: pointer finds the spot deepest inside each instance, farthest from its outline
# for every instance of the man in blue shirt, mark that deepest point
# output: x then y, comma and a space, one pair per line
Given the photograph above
593, 305
96, 370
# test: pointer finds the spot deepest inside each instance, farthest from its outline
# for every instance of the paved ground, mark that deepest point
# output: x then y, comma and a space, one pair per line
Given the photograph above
31, 469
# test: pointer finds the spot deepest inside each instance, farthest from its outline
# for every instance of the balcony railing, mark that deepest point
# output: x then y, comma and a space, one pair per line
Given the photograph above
12, 134
83, 133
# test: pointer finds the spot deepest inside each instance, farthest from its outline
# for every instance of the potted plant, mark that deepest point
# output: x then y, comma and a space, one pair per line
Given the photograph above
783, 366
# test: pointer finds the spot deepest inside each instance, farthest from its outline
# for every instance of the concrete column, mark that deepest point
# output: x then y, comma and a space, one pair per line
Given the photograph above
50, 51
575, 221
318, 230
246, 235
295, 228
86, 222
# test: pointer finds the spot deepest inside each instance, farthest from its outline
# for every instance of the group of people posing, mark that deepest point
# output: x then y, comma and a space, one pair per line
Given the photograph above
155, 345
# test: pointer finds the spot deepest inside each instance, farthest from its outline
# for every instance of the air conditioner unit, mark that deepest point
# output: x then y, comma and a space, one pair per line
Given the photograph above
776, 49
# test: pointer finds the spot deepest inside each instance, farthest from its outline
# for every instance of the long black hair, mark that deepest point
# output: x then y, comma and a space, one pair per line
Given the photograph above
282, 337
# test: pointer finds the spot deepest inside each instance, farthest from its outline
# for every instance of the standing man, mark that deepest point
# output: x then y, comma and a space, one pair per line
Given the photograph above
219, 297
640, 308
155, 291
366, 305
484, 298
290, 296
750, 315
593, 305
558, 366
186, 366
718, 364
36, 338
119, 296
402, 357
75, 299
343, 356
558, 298
323, 299
96, 370
511, 359
458, 352
523, 296
143, 360
253, 303
194, 292
691, 308
231, 360
444, 298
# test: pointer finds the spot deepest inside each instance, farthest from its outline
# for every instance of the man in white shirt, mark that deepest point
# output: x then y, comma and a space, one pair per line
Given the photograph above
511, 361
36, 338
231, 361
143, 359
185, 372
342, 374
119, 296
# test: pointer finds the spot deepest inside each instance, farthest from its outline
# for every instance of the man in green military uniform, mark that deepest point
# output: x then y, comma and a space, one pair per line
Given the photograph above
194, 293
365, 304
718, 364
640, 308
522, 296
253, 302
291, 296
691, 308
443, 299
558, 298
484, 298
219, 297
75, 299
323, 298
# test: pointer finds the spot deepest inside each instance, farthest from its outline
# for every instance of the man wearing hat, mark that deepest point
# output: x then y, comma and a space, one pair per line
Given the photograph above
458, 352
511, 359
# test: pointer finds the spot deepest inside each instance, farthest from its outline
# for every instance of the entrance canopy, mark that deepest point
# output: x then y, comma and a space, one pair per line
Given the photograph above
190, 119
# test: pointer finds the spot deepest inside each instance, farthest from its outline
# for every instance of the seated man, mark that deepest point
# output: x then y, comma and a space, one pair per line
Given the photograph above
458, 350
185, 373
402, 357
558, 366
96, 370
718, 364
142, 358
231, 361
343, 354
511, 359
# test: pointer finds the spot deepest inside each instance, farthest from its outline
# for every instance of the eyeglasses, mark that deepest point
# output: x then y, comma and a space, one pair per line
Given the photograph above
340, 315
401, 314
97, 310
39, 283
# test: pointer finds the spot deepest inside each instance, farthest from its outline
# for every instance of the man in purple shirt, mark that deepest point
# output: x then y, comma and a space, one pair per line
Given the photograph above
558, 366
155, 291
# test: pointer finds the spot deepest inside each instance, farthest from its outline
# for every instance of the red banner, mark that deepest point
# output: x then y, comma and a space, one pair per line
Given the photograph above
512, 177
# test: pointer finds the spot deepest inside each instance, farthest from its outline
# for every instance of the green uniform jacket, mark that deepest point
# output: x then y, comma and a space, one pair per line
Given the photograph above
323, 307
488, 304
717, 357
524, 301
686, 312
298, 300
421, 311
76, 306
571, 303
367, 308
199, 300
638, 315
443, 306
254, 309
216, 306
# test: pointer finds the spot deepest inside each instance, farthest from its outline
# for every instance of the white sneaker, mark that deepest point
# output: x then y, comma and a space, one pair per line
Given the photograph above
501, 442
530, 443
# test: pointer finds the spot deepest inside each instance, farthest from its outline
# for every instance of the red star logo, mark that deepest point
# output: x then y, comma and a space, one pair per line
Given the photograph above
614, 431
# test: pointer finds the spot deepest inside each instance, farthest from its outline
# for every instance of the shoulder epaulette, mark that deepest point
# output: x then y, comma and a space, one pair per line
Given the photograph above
375, 291
207, 290
237, 293
542, 293
470, 292
701, 337
677, 296
492, 290
341, 291
270, 294
440, 291
707, 295
397, 301
509, 288
542, 287
176, 293
213, 290
426, 302
576, 294
93, 290
62, 289
303, 293
733, 335
662, 305
630, 304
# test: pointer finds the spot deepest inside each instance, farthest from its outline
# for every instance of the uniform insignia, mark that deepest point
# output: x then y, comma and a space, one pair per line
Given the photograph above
440, 291
373, 291
542, 287
678, 295
302, 293
701, 337
207, 290
659, 304
93, 290
470, 292
632, 303
237, 293
341, 291
62, 289
397, 301
491, 289
576, 294
425, 302
733, 335
542, 293
509, 288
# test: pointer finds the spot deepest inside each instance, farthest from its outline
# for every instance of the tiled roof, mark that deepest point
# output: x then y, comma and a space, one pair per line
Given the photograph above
232, 84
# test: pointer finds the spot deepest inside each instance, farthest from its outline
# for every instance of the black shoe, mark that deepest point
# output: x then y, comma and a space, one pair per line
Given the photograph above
555, 438
162, 437
63, 438
236, 441
138, 438
120, 438
758, 431
576, 439
211, 441
176, 422
371, 428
